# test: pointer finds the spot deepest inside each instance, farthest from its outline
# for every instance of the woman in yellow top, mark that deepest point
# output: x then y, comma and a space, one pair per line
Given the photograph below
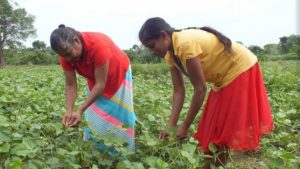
237, 111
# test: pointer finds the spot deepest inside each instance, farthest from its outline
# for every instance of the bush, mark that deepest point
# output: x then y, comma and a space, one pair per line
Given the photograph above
150, 69
288, 56
29, 56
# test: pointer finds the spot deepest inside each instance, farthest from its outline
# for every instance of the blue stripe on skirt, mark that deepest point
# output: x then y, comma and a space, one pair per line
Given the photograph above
99, 118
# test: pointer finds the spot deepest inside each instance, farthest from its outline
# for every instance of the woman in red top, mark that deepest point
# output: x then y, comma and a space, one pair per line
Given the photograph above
106, 68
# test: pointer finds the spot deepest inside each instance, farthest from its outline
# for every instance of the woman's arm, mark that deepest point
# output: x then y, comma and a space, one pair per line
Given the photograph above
100, 81
71, 95
178, 96
197, 79
177, 102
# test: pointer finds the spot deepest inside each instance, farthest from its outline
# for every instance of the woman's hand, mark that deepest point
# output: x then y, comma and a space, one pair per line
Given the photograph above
71, 119
164, 134
75, 120
66, 119
182, 131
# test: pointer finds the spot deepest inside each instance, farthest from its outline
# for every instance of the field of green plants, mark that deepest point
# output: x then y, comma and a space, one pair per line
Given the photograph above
32, 137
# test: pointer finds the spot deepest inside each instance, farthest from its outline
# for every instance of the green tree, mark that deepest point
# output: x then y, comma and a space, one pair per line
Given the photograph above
271, 49
289, 44
140, 54
136, 48
40, 45
256, 49
283, 45
147, 57
16, 25
132, 53
293, 43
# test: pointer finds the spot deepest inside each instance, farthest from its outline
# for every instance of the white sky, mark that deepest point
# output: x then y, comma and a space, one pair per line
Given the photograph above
253, 22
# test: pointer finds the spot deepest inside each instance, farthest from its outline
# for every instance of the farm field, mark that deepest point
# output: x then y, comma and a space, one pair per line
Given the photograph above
32, 137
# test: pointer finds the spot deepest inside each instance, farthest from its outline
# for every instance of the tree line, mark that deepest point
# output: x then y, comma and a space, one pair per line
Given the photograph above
16, 25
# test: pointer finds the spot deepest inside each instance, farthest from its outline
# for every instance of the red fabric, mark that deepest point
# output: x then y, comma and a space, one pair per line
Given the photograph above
98, 48
237, 115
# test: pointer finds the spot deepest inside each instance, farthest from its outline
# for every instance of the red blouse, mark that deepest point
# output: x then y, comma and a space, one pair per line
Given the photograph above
99, 48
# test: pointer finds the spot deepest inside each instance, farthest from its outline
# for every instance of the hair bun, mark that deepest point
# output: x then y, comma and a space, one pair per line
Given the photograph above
61, 26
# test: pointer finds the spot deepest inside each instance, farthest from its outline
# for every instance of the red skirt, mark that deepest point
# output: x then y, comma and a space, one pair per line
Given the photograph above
237, 115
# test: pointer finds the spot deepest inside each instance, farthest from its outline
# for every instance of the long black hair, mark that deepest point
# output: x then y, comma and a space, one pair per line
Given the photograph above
152, 28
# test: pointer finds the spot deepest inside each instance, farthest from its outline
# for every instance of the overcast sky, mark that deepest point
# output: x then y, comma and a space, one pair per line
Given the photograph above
253, 22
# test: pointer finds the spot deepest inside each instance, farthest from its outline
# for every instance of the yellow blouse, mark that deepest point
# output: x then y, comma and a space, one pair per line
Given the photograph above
219, 66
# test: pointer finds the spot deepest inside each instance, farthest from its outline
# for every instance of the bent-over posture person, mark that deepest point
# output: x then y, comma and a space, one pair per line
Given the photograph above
237, 112
109, 104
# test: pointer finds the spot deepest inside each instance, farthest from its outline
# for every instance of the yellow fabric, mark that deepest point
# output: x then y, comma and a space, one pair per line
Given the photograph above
219, 66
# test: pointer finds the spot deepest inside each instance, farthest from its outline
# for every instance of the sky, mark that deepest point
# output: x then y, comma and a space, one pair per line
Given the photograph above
252, 22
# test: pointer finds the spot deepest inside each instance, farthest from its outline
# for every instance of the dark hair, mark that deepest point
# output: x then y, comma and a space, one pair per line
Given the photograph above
63, 37
152, 28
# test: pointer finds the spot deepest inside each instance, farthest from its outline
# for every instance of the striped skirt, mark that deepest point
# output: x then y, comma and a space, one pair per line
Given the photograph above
113, 116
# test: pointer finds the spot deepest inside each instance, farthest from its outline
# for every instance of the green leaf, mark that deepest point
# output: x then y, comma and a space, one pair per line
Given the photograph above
212, 147
15, 163
58, 129
190, 148
287, 156
4, 148
61, 151
31, 165
193, 140
3, 137
74, 153
21, 150
138, 166
155, 162
94, 167
17, 135
52, 161
151, 142
3, 119
185, 154
287, 121
151, 117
